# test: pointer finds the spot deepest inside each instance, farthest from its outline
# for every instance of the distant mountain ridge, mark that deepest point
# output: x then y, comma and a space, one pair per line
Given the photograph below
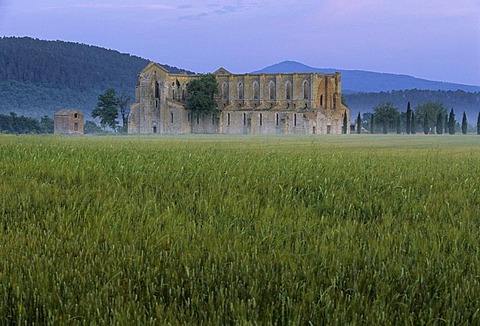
367, 81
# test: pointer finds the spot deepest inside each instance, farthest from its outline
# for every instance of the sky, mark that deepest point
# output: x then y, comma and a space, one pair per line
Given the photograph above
431, 39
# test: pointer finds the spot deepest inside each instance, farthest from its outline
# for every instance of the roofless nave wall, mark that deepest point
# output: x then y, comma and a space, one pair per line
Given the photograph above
299, 103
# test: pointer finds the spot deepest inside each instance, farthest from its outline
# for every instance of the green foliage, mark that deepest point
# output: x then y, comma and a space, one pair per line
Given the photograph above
372, 123
429, 113
123, 101
387, 115
106, 109
439, 126
47, 125
478, 124
413, 124
464, 123
14, 124
461, 100
345, 123
90, 127
201, 94
451, 122
408, 124
426, 128
249, 231
359, 123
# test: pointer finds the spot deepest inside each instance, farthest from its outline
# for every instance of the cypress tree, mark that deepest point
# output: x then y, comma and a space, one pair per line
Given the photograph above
345, 123
439, 124
409, 119
451, 123
399, 129
372, 124
464, 123
445, 125
359, 123
413, 125
425, 124
478, 124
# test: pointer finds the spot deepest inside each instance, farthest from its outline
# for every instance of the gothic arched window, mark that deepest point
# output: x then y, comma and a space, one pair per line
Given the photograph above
288, 90
240, 91
306, 90
225, 91
271, 90
256, 90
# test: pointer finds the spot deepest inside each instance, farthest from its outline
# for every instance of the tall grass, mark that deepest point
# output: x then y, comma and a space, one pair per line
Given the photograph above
237, 230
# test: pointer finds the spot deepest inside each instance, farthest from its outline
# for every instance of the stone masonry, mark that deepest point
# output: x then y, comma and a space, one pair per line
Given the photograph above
68, 122
299, 103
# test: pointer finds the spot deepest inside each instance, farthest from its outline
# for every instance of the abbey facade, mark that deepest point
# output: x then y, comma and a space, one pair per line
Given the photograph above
299, 103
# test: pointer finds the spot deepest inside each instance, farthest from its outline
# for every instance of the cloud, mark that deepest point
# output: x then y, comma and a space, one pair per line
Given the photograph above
120, 6
213, 9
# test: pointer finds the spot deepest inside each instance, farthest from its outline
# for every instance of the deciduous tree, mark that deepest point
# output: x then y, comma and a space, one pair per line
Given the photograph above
429, 112
122, 101
201, 94
387, 114
106, 109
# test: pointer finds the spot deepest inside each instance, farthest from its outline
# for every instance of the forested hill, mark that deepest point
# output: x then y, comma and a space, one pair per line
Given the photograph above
40, 77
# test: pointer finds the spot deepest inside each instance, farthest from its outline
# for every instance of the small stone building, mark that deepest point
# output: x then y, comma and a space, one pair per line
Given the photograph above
68, 122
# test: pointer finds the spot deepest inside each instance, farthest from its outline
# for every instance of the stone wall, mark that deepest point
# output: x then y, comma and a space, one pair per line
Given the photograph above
306, 103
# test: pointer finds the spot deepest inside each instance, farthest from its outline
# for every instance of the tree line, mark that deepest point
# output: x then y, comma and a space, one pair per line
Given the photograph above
428, 118
14, 124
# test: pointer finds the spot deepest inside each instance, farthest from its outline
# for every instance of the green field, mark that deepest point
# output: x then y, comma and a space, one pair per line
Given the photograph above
288, 230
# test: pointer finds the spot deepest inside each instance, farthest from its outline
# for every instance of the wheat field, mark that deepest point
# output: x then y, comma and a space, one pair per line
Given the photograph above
286, 230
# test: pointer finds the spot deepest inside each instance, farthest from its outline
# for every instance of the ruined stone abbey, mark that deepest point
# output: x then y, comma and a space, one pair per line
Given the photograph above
299, 103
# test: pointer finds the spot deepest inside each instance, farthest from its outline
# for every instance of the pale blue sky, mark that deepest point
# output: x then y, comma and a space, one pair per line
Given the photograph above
432, 39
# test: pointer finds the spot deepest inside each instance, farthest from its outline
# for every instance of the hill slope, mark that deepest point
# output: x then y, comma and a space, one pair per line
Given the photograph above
367, 81
40, 77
